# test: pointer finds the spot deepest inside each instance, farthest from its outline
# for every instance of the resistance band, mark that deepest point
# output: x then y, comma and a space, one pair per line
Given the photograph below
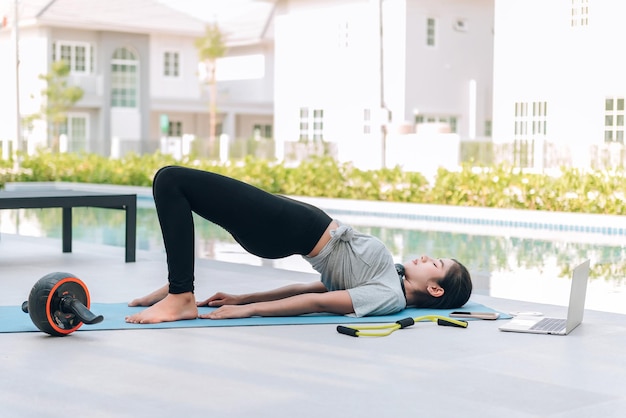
385, 329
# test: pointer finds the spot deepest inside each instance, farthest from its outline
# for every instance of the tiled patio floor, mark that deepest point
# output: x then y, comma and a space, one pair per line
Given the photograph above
290, 371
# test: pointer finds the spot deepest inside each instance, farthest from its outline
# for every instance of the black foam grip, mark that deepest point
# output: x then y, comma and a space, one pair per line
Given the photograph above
84, 314
446, 323
347, 331
406, 322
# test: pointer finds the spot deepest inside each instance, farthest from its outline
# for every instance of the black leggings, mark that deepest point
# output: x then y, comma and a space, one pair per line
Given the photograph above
266, 225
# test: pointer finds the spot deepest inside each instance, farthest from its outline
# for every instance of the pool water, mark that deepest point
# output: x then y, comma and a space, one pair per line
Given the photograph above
535, 270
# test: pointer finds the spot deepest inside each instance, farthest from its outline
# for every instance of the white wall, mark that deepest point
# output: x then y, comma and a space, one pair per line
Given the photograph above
424, 152
524, 69
187, 84
258, 86
437, 78
126, 123
395, 42
8, 117
33, 62
313, 70
540, 57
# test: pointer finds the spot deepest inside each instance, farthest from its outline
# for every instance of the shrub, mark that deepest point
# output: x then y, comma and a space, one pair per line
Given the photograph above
501, 186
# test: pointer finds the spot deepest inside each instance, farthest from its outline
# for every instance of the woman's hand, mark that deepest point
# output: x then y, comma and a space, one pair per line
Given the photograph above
229, 312
221, 299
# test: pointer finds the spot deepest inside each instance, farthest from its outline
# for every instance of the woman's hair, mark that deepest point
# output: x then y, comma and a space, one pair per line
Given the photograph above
457, 286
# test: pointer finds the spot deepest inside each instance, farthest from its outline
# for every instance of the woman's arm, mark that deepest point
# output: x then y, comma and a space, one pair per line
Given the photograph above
220, 298
337, 302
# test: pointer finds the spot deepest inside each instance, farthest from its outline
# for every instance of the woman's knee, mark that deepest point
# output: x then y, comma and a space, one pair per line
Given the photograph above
164, 177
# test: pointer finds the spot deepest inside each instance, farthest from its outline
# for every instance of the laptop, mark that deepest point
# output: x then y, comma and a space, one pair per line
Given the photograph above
557, 326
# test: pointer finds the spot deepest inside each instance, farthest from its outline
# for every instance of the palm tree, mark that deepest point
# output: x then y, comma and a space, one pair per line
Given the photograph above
211, 47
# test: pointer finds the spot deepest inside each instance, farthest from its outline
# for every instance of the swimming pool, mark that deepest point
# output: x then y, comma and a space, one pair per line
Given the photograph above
518, 255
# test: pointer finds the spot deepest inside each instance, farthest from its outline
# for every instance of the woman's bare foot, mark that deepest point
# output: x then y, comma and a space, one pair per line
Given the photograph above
151, 298
174, 307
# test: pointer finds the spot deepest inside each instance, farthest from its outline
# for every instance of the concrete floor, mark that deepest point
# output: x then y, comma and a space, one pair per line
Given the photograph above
290, 371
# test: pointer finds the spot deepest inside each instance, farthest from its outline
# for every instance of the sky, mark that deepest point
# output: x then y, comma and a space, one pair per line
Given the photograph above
207, 10
240, 20
210, 10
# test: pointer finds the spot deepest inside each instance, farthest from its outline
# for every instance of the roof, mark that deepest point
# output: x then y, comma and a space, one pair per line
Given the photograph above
242, 21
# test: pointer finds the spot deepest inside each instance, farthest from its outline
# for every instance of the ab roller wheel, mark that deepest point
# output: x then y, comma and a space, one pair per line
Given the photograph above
58, 304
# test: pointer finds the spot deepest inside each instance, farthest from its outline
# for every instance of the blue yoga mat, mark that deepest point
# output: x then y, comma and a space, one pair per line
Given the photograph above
12, 319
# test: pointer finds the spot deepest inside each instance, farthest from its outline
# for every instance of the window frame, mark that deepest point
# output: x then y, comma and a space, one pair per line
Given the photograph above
73, 144
452, 121
431, 32
579, 13
614, 116
118, 100
171, 69
88, 61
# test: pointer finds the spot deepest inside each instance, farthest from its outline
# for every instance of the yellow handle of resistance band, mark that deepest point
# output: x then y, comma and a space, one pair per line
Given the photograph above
382, 330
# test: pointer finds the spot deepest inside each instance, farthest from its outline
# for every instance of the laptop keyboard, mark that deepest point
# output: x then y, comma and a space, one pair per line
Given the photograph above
550, 325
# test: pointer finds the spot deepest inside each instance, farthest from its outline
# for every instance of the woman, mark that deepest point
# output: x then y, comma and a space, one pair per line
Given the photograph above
358, 275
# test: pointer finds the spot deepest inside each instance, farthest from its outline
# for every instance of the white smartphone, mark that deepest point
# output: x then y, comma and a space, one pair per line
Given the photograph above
478, 315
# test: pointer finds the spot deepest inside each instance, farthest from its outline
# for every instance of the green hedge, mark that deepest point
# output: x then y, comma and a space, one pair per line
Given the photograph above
570, 190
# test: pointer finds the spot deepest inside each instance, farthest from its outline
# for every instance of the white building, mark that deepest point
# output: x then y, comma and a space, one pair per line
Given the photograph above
559, 82
314, 74
137, 64
436, 78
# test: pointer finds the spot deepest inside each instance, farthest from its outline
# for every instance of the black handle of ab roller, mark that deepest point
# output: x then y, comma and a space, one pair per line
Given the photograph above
69, 304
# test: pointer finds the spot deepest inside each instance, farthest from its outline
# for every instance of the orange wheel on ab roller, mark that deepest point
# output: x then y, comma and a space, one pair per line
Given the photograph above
58, 304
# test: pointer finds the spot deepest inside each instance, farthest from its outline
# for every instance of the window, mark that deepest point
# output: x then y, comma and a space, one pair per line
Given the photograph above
76, 129
522, 145
175, 128
529, 124
430, 31
450, 121
317, 124
304, 124
65, 52
367, 121
488, 128
614, 119
171, 64
343, 35
124, 79
580, 13
539, 118
530, 120
78, 55
262, 131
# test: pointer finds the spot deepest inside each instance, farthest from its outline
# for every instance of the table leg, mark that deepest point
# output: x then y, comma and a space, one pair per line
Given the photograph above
131, 230
67, 230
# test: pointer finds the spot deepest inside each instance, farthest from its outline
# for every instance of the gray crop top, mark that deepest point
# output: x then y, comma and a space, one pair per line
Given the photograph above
362, 265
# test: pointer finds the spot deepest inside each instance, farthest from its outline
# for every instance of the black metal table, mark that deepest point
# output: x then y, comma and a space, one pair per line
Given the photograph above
68, 199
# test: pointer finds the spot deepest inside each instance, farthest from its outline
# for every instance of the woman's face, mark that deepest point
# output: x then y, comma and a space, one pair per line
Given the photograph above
425, 271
